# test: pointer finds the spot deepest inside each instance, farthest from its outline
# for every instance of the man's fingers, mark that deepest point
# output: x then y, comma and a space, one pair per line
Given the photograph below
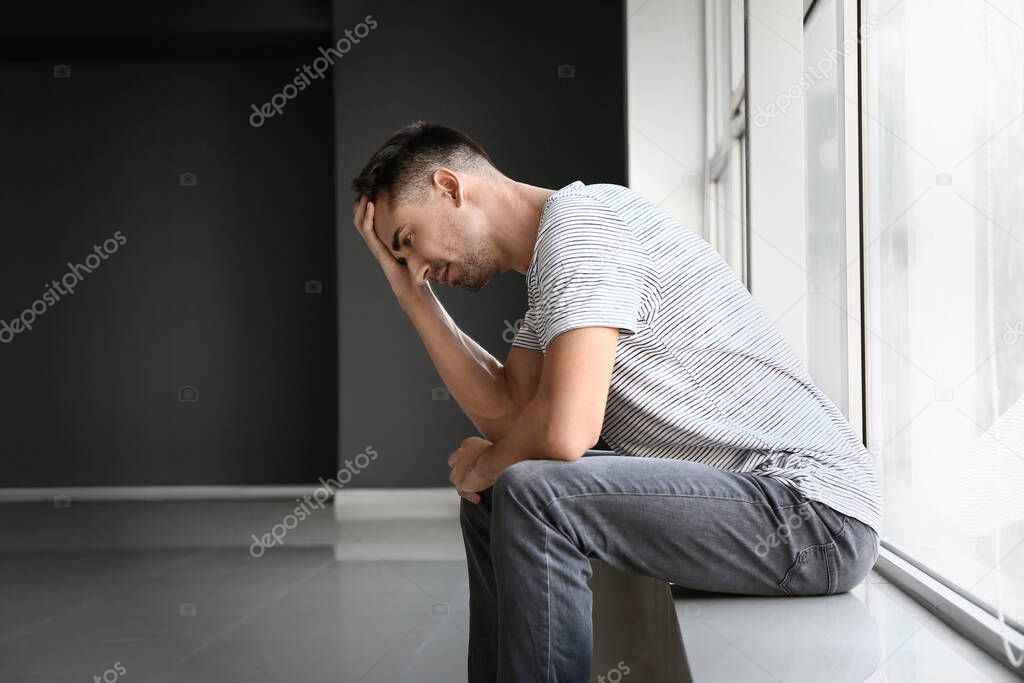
457, 474
376, 246
362, 217
359, 210
468, 495
459, 469
368, 218
458, 466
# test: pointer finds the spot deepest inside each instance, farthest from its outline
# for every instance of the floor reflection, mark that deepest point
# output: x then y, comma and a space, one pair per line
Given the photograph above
171, 592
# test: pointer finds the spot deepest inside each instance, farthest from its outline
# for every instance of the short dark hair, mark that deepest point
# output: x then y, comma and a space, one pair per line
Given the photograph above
404, 166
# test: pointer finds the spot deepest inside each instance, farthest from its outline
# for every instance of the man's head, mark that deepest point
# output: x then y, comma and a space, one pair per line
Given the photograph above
426, 182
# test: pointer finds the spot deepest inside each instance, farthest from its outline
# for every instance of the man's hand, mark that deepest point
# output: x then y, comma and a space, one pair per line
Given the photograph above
465, 475
399, 277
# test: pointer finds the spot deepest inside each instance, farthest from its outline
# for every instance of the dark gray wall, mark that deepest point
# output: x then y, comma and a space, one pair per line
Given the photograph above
490, 69
208, 290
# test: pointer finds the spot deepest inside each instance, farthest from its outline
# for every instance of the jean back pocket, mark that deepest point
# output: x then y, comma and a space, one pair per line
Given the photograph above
813, 572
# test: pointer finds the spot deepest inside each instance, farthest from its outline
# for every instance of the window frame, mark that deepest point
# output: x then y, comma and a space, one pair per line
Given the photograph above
851, 157
726, 133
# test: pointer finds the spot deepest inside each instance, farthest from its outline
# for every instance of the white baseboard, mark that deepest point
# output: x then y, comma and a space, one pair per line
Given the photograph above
349, 504
152, 493
403, 503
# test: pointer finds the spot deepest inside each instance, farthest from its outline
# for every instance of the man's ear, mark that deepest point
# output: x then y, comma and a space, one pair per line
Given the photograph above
450, 185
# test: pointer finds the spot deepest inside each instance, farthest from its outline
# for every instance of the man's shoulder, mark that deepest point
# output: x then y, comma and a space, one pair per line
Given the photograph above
601, 205
579, 227
579, 211
578, 195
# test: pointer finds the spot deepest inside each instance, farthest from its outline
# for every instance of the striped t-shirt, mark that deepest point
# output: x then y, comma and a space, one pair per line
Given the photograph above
701, 373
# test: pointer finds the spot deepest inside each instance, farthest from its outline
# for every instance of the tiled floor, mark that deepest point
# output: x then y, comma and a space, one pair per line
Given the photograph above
170, 592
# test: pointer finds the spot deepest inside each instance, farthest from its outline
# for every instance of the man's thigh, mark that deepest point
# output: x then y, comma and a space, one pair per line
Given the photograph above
681, 521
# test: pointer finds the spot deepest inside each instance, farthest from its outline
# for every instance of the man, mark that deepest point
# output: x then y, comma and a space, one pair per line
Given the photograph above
726, 470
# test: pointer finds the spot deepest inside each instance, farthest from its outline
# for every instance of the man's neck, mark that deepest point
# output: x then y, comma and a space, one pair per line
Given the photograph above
518, 218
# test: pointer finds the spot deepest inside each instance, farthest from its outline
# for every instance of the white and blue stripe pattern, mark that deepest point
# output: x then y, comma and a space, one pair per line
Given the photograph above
701, 373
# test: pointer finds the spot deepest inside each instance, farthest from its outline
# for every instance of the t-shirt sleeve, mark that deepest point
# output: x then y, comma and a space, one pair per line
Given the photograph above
526, 334
592, 271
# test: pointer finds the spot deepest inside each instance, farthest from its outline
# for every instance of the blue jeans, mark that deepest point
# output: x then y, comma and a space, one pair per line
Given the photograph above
530, 539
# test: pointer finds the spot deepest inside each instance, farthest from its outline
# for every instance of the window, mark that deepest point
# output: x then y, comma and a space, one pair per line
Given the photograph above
726, 209
828, 325
943, 136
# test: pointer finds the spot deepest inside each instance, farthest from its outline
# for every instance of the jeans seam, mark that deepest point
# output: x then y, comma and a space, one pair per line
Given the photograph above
842, 529
640, 493
547, 578
830, 567
794, 505
547, 597
783, 584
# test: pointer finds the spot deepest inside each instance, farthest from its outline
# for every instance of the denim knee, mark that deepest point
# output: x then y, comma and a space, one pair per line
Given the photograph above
520, 481
521, 491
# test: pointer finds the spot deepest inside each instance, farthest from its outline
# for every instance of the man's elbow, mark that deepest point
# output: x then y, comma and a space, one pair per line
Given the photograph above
570, 444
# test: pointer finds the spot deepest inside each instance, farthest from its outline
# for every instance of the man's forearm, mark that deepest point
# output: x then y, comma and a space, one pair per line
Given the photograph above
534, 435
475, 378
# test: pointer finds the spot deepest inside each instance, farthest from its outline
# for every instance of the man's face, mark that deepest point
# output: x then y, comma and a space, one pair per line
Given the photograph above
430, 237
